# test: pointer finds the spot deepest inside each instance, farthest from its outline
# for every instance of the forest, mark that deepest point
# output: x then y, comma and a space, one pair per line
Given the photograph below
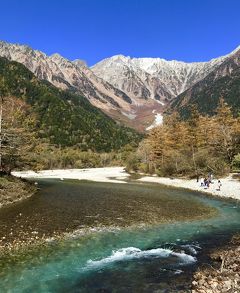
191, 147
22, 145
178, 147
62, 118
43, 127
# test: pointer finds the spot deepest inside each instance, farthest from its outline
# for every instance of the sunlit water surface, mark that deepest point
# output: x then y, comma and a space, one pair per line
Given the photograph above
145, 259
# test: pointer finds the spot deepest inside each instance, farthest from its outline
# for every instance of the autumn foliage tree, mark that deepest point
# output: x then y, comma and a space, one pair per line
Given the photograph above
226, 138
17, 133
196, 146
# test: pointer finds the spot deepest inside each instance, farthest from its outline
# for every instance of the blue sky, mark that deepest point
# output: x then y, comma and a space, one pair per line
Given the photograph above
188, 30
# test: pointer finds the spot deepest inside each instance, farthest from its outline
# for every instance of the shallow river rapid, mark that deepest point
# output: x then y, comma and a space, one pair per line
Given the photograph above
130, 237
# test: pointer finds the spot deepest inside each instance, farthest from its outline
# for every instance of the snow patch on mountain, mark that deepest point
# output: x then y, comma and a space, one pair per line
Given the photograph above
118, 85
160, 102
158, 121
130, 116
153, 78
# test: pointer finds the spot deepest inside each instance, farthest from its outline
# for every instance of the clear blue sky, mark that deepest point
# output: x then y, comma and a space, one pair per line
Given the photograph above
188, 30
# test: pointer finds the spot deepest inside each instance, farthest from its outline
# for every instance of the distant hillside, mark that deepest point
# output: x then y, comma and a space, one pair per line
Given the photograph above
65, 118
222, 82
130, 90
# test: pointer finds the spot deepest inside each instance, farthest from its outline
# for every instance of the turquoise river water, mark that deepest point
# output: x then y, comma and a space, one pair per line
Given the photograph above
148, 258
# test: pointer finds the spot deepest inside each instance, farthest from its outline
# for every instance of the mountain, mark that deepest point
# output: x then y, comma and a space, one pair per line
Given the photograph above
223, 82
64, 74
152, 78
133, 91
63, 117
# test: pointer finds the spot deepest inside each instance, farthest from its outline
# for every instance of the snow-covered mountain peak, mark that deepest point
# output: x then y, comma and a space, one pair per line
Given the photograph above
120, 57
155, 78
234, 51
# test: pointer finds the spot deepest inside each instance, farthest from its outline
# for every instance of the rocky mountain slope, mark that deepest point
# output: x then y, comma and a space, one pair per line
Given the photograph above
223, 82
153, 78
65, 74
134, 91
63, 118
146, 80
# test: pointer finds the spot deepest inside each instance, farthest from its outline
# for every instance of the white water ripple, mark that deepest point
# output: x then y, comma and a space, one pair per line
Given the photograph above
130, 253
193, 249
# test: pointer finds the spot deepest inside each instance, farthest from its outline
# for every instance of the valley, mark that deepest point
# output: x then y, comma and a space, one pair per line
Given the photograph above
120, 146
125, 88
119, 235
83, 131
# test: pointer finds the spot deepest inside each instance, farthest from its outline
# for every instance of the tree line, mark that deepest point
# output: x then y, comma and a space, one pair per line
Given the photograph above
21, 146
191, 147
177, 147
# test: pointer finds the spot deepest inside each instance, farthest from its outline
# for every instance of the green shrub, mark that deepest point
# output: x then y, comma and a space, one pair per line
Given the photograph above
132, 163
236, 162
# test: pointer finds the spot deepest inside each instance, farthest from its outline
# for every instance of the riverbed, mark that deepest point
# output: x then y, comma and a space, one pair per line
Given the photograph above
131, 237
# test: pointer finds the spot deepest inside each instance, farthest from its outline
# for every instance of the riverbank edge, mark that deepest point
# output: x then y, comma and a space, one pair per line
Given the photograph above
224, 275
230, 187
123, 176
14, 190
204, 194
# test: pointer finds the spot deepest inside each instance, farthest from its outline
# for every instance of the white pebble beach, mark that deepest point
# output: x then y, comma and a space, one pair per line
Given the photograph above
230, 187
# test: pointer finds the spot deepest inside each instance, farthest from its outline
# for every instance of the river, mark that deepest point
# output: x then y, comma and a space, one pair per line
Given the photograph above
120, 237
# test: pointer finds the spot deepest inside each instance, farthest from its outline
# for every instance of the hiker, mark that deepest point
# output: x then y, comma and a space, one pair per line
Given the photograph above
211, 177
205, 183
219, 185
208, 182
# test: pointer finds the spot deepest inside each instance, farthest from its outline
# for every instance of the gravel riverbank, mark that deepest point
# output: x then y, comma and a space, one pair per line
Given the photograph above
224, 275
230, 187
13, 190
